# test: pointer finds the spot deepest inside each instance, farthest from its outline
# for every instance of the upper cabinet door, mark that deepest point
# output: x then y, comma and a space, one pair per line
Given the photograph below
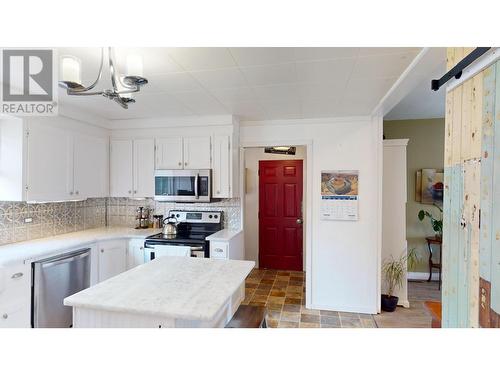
121, 166
169, 153
144, 167
221, 166
90, 167
197, 152
50, 164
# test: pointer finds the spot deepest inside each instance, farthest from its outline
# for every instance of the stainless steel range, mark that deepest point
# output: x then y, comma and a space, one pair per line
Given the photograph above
192, 230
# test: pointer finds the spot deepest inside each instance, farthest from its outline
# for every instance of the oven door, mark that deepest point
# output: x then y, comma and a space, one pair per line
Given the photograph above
185, 185
159, 251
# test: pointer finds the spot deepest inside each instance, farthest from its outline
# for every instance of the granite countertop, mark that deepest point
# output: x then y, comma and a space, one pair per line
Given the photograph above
169, 287
224, 235
29, 251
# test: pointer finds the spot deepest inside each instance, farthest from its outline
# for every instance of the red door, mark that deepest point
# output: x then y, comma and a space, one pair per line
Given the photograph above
280, 216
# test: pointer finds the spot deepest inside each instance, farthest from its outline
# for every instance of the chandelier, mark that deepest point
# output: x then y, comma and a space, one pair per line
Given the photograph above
122, 86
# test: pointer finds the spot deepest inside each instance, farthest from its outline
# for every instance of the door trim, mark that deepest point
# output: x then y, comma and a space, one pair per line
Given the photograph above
307, 197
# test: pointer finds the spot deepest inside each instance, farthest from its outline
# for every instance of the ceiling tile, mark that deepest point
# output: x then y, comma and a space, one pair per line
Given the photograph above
337, 71
248, 56
278, 92
379, 66
270, 74
201, 102
220, 79
370, 51
166, 105
232, 95
174, 82
320, 107
202, 58
324, 53
155, 60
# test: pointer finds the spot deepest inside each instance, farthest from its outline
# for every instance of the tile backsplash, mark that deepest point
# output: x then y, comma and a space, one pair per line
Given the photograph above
121, 211
49, 219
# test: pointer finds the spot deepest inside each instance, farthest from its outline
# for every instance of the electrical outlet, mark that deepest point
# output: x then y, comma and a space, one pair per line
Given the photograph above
28, 219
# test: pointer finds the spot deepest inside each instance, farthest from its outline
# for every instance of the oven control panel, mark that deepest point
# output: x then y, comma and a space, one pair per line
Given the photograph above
197, 216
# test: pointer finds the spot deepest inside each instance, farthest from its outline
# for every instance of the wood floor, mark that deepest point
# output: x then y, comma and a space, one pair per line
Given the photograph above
416, 316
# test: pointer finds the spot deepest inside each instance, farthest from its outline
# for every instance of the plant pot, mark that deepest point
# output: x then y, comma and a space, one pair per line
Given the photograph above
389, 303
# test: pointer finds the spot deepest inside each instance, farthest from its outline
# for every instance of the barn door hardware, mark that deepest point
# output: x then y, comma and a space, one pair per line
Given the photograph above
456, 71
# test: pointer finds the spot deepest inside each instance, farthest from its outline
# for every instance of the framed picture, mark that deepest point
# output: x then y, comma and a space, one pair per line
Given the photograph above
418, 186
432, 186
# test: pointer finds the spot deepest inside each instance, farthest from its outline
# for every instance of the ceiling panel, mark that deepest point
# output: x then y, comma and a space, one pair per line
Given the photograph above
247, 56
253, 83
202, 58
220, 79
270, 74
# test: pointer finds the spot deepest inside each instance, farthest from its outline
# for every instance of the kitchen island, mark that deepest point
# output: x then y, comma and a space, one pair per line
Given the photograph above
166, 292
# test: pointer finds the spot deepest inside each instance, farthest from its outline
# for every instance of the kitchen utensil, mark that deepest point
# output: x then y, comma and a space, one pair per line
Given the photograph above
169, 227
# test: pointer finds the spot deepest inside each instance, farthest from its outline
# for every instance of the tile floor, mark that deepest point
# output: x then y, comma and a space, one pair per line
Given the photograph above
283, 293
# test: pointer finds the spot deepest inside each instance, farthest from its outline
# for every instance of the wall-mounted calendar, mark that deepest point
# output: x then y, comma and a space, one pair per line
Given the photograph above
339, 195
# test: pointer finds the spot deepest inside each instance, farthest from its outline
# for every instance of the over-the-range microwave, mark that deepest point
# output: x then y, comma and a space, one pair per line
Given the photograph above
183, 185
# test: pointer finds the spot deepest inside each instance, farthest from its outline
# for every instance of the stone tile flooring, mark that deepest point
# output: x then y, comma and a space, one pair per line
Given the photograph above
283, 293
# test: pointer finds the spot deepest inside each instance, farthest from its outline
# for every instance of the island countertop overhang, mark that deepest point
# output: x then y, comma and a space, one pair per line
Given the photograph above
170, 287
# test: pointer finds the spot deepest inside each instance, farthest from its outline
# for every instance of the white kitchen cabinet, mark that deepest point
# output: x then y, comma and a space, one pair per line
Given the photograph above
112, 258
121, 168
227, 244
221, 167
90, 167
48, 160
169, 153
135, 256
50, 164
132, 168
15, 296
144, 168
196, 152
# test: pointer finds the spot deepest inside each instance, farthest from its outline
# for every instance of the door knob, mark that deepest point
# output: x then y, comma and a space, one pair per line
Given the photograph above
299, 220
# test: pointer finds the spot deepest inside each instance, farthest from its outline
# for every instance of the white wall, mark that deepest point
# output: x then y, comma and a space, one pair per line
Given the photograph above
251, 201
343, 259
394, 208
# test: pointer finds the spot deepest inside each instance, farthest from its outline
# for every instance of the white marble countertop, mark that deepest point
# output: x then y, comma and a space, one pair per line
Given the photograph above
54, 245
170, 287
224, 235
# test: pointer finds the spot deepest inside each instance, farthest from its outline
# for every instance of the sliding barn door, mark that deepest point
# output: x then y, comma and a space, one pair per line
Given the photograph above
469, 207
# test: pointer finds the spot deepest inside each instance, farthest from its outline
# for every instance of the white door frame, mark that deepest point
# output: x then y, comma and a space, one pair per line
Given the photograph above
308, 144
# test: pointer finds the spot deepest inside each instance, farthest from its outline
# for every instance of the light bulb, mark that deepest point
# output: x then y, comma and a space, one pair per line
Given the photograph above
70, 69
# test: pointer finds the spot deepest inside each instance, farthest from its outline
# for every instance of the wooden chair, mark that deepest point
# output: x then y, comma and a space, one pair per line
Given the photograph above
249, 317
439, 242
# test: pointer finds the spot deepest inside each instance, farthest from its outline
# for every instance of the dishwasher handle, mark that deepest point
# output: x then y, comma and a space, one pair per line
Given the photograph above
66, 258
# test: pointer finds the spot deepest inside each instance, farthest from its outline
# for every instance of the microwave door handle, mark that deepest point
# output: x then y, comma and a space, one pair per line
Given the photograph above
196, 179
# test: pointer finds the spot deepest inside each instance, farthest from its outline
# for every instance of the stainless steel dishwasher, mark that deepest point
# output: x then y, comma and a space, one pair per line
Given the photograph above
53, 280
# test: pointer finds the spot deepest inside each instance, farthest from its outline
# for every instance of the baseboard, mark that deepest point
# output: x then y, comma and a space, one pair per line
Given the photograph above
405, 304
422, 276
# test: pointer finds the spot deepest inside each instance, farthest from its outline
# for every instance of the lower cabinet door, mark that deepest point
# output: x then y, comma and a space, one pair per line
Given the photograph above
112, 258
135, 255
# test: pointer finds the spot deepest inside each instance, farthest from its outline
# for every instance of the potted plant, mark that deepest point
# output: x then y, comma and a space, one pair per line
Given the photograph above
437, 224
395, 273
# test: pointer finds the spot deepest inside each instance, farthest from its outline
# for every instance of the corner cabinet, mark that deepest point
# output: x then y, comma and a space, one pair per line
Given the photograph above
49, 161
132, 164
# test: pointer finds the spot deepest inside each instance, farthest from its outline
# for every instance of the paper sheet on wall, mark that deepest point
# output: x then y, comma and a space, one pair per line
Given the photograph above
339, 195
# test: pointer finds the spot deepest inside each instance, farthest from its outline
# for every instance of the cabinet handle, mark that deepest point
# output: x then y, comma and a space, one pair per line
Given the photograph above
17, 275
130, 191
102, 250
70, 193
135, 191
186, 163
5, 316
180, 164
141, 248
218, 191
76, 192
